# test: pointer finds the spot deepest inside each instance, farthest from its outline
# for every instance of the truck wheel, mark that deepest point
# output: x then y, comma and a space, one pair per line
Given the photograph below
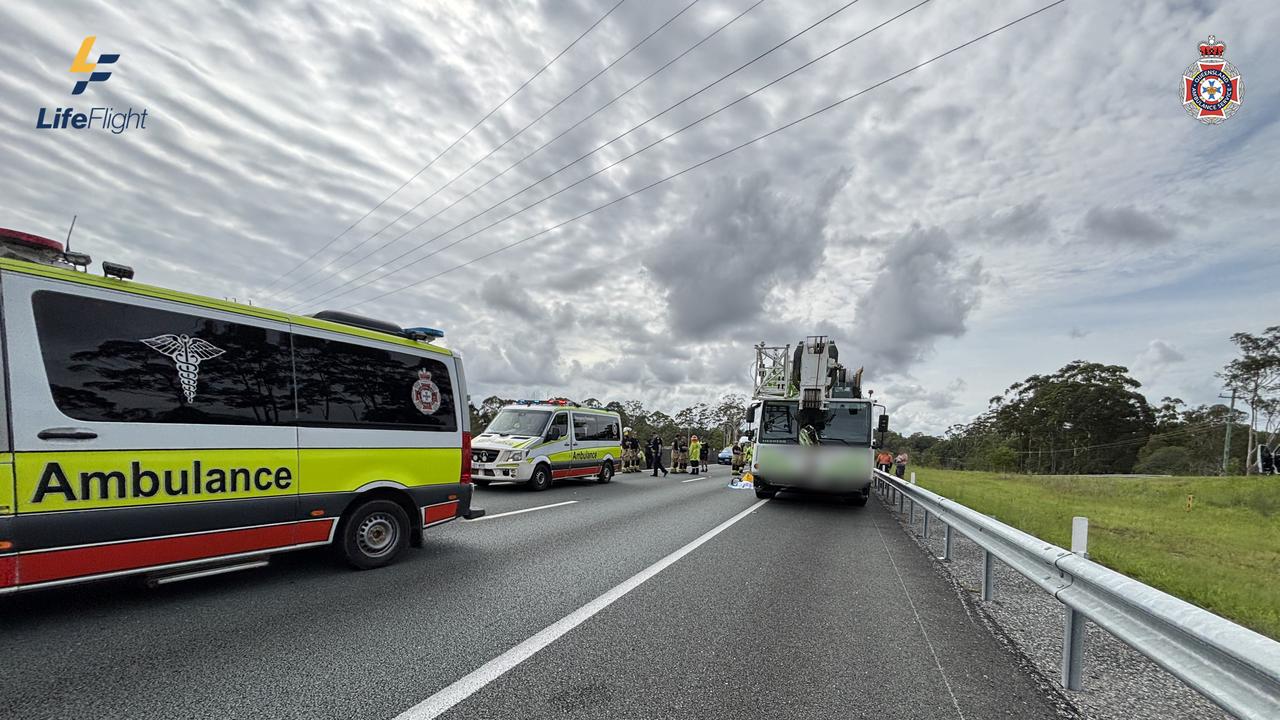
374, 534
858, 500
541, 479
764, 492
606, 473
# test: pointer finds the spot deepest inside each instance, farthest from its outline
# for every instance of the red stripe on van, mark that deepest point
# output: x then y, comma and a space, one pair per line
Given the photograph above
137, 554
8, 571
576, 472
436, 513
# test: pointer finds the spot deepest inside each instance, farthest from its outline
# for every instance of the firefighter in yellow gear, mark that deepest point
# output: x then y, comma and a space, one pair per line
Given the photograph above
695, 453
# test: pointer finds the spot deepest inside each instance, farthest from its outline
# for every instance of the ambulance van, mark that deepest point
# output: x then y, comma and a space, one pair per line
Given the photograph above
153, 432
537, 443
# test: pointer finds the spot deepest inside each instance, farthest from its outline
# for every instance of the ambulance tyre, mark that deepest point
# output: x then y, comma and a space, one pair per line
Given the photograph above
374, 533
606, 472
541, 479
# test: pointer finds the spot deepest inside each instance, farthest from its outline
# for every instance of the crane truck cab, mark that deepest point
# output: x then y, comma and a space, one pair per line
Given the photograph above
811, 425
538, 443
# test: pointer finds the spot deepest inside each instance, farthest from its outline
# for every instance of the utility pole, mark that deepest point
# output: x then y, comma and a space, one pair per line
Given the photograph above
1226, 442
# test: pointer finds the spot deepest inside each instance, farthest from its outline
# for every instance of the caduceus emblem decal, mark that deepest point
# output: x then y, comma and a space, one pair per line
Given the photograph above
187, 353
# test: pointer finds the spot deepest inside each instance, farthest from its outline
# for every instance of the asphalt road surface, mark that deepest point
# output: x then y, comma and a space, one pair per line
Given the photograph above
643, 598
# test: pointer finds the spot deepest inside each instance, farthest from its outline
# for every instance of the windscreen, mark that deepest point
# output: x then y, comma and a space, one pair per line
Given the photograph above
839, 424
519, 422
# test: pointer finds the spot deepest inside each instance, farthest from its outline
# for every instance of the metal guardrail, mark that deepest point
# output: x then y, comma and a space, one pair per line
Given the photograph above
1234, 667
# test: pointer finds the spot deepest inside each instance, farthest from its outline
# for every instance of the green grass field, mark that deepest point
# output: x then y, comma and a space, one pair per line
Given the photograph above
1223, 554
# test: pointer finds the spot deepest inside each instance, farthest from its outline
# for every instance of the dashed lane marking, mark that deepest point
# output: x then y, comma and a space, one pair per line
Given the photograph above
477, 679
517, 512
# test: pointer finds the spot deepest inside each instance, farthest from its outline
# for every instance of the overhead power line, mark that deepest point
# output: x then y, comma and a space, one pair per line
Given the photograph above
717, 156
486, 156
329, 293
1189, 430
453, 144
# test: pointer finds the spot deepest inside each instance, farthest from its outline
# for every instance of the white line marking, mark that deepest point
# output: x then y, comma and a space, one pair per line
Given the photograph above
919, 623
517, 512
693, 479
474, 681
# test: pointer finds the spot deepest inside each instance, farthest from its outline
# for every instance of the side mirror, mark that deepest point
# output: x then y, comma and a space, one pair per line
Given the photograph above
553, 434
884, 424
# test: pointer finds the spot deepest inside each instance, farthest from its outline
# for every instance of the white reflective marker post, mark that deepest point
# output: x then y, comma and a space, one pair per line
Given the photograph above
1073, 621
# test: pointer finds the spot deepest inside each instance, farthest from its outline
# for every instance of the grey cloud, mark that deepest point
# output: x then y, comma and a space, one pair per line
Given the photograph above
745, 238
1126, 223
1156, 358
922, 292
1077, 334
1026, 221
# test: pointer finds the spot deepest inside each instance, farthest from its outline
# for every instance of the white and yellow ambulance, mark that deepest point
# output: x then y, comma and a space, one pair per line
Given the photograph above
152, 431
537, 443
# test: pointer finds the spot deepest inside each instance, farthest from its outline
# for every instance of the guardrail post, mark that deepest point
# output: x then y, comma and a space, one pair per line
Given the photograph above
946, 543
988, 574
912, 520
913, 477
926, 524
1073, 621
902, 500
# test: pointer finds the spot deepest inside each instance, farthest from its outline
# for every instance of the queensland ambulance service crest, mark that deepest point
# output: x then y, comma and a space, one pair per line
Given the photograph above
1212, 88
426, 395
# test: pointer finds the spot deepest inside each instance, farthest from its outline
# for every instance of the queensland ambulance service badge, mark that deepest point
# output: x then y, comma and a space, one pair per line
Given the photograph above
1212, 88
426, 395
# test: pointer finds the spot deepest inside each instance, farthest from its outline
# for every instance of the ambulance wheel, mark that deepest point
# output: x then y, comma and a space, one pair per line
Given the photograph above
374, 534
606, 473
541, 479
764, 492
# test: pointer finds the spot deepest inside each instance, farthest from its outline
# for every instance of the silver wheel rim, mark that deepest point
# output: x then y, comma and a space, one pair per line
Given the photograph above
378, 534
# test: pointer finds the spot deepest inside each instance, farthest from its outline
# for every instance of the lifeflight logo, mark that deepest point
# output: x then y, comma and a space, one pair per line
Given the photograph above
82, 65
98, 118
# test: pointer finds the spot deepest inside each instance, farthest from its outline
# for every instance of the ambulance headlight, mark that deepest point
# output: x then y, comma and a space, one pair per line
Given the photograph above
516, 455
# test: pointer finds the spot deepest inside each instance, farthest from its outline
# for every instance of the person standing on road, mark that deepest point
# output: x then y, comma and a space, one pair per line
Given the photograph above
655, 453
630, 451
901, 462
884, 461
695, 453
739, 453
705, 454
679, 458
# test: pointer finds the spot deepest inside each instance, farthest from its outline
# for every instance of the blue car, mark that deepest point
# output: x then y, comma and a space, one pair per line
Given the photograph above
726, 456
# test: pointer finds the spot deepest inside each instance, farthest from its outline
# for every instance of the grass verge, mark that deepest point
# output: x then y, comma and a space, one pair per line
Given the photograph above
1222, 554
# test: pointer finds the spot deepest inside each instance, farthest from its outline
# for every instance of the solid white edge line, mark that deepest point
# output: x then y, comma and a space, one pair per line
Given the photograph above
693, 479
517, 512
474, 681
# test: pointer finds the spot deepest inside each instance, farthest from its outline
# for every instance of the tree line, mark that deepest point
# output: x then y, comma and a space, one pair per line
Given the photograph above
717, 423
1091, 418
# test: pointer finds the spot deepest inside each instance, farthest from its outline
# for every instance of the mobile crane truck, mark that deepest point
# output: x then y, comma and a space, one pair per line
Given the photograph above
811, 424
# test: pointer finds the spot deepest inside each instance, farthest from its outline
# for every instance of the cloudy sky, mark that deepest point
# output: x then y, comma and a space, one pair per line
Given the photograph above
1035, 198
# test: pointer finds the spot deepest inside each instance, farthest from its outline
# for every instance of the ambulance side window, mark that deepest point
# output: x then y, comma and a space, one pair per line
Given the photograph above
343, 384
582, 427
118, 362
559, 427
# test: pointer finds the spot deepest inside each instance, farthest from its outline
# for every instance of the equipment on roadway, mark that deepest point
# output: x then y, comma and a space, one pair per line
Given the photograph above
537, 443
150, 431
811, 425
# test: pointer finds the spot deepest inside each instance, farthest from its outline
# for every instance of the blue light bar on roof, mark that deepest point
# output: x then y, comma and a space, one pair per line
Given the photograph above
424, 334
